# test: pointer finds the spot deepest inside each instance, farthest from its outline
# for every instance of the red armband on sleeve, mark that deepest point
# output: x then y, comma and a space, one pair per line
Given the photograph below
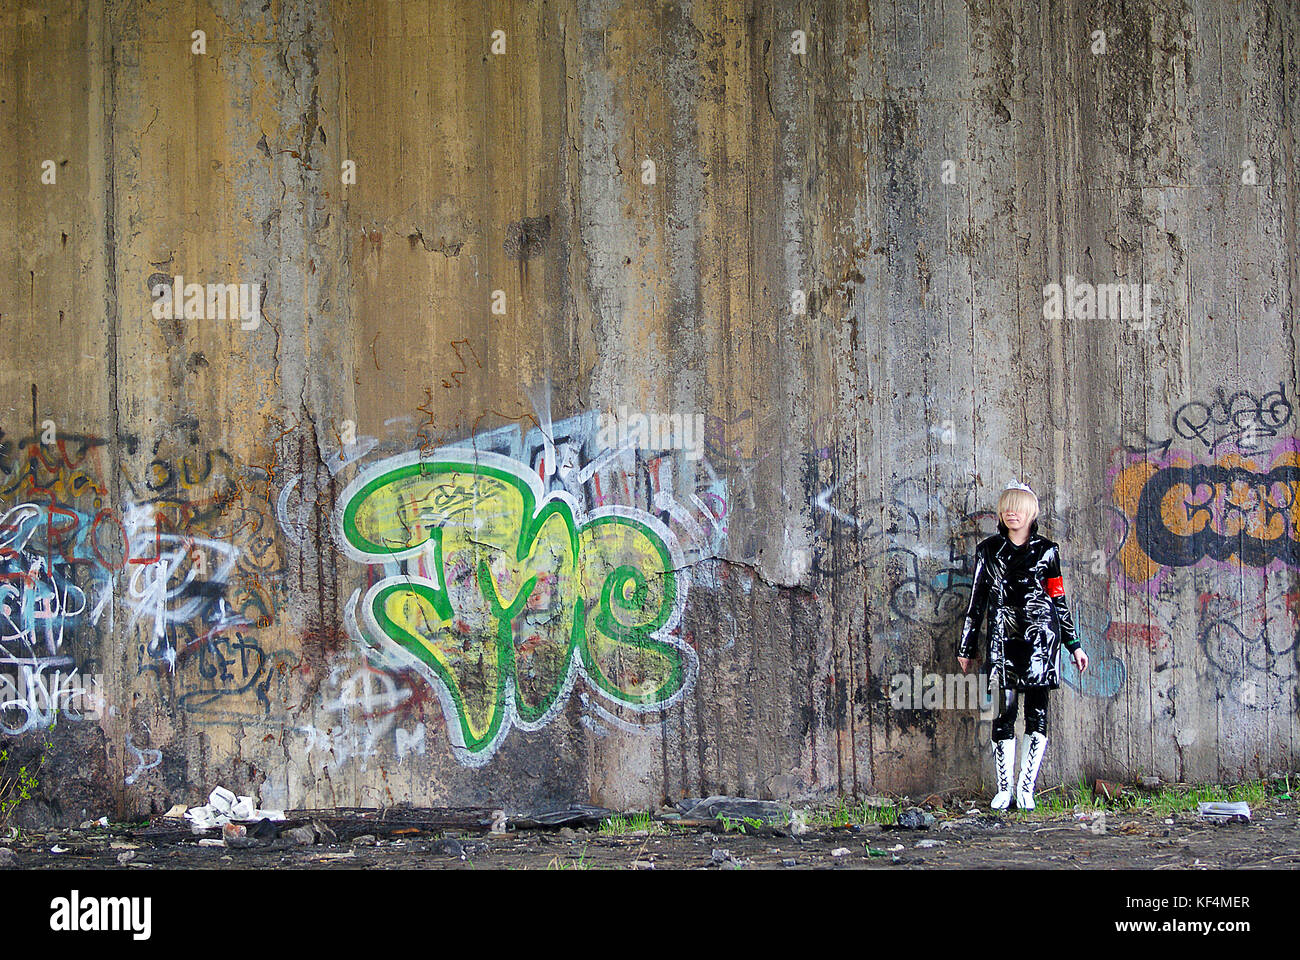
1055, 587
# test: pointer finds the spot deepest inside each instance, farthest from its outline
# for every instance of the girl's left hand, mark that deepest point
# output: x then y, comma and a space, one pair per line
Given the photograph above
1080, 659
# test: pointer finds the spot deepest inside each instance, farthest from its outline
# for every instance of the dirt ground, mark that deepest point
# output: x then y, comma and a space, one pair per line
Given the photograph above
1271, 840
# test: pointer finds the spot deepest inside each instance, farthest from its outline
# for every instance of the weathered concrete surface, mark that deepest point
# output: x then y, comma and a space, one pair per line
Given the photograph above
837, 260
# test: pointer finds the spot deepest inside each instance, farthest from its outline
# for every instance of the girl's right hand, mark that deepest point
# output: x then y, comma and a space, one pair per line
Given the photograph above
964, 663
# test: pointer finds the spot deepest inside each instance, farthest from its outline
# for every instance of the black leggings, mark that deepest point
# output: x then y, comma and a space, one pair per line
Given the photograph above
1004, 725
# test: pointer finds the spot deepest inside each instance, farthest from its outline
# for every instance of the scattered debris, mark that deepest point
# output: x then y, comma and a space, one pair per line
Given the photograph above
841, 852
365, 840
642, 865
125, 857
799, 823
914, 818
264, 830
931, 843
177, 812
789, 862
58, 849
1096, 823
721, 857
1107, 789
981, 822
211, 842
449, 847
498, 822
236, 835
302, 835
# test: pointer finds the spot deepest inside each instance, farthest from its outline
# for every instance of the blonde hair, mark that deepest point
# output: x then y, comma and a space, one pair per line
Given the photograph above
1016, 498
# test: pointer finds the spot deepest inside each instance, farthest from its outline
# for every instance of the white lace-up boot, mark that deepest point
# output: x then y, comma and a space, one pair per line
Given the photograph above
1035, 745
1004, 759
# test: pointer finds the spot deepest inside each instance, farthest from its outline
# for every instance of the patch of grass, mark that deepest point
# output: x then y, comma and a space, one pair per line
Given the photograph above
1161, 803
1173, 800
635, 823
1063, 799
739, 824
848, 812
1282, 788
579, 864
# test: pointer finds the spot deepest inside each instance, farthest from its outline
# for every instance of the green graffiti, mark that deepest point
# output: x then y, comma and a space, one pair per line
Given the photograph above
506, 598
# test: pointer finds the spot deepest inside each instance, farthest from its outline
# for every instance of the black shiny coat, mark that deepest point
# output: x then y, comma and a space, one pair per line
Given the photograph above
1026, 624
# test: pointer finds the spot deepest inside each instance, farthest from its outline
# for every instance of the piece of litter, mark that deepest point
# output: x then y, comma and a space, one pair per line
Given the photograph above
211, 842
1223, 810
222, 800
176, 812
923, 844
840, 852
224, 807
898, 846
58, 849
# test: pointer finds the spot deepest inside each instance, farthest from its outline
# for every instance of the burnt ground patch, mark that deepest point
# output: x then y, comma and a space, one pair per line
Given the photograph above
451, 841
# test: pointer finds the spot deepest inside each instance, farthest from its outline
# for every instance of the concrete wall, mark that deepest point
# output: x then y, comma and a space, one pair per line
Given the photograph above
833, 255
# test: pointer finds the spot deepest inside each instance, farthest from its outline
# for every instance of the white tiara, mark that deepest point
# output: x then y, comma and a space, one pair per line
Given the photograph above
1015, 485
